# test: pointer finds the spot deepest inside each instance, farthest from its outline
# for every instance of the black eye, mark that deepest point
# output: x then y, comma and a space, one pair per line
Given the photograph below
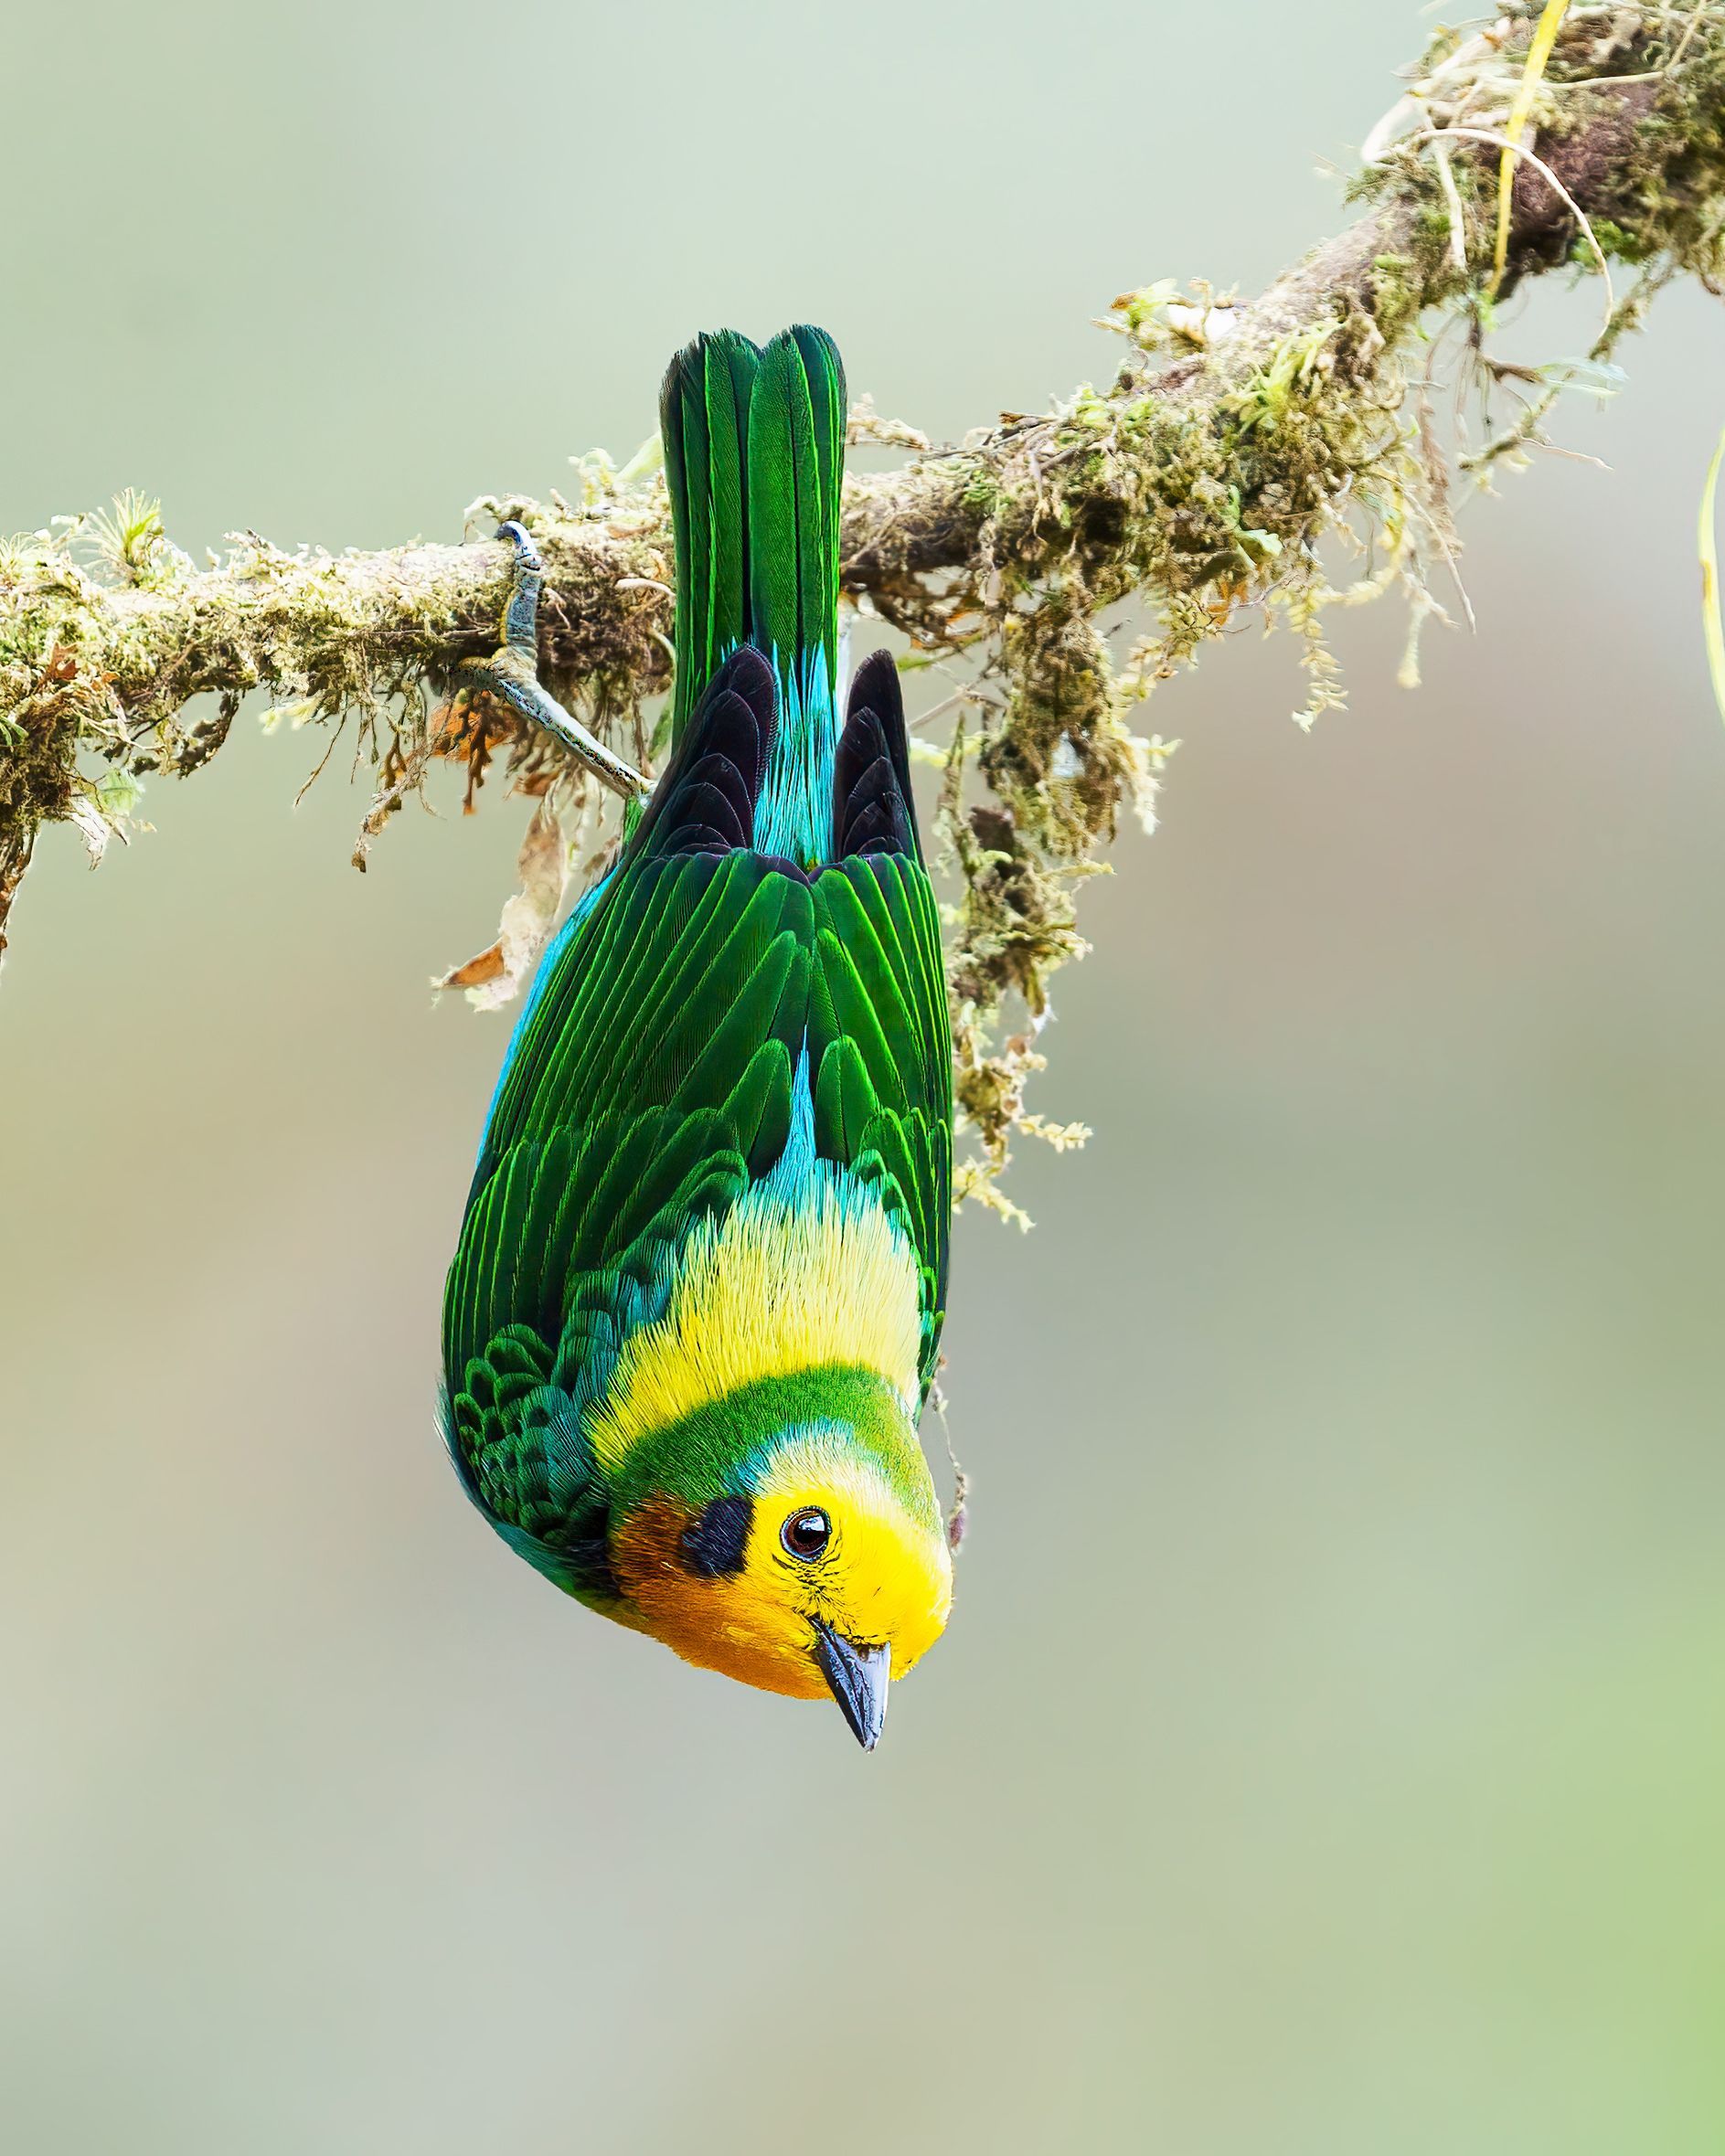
806, 1534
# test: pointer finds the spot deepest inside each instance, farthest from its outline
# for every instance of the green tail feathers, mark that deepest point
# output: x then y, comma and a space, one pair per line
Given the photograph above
796, 467
704, 422
754, 456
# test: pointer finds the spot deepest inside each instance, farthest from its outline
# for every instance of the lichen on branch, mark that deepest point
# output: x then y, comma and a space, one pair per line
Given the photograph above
1242, 455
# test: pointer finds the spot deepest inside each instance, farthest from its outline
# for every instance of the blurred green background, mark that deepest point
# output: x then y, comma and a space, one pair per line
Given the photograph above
1326, 1756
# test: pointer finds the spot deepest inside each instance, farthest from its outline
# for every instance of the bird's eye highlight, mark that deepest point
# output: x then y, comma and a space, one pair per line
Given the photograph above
806, 1533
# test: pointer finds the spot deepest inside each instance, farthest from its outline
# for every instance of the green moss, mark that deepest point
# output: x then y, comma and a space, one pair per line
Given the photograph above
1615, 241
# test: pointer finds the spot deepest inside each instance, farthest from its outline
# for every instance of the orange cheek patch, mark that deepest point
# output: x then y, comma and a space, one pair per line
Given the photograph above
726, 1623
647, 1553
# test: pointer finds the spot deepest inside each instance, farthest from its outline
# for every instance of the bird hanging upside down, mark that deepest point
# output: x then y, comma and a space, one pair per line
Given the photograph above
696, 1306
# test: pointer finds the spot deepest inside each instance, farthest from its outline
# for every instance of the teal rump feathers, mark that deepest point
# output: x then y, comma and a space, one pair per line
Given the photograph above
761, 974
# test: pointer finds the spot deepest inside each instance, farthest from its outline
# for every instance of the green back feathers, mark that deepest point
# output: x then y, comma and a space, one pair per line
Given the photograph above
754, 454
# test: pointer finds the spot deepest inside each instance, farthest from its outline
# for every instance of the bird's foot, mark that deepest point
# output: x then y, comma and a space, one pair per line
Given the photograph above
512, 671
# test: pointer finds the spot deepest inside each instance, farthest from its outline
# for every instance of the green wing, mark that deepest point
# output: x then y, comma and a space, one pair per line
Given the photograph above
650, 1082
880, 1057
653, 1082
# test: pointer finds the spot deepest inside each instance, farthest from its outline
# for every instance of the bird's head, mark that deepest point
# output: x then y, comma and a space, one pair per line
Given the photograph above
811, 1559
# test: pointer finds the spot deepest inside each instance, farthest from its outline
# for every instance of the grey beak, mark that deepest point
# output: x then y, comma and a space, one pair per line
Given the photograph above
858, 1676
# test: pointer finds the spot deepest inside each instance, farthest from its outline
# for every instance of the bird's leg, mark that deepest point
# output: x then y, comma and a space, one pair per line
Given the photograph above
512, 671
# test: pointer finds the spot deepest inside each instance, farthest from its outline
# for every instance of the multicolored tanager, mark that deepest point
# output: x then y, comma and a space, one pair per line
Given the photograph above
696, 1306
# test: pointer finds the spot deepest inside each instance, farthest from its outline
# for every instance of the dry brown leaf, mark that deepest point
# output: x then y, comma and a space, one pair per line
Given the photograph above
493, 976
483, 968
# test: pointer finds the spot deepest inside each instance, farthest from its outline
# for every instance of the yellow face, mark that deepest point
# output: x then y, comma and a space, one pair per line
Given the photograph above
797, 1587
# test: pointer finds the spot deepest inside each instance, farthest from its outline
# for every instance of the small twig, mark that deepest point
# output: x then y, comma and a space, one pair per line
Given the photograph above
1452, 203
958, 1513
1575, 456
1689, 28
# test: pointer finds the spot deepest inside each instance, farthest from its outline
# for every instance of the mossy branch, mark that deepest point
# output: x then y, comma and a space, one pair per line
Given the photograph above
1236, 445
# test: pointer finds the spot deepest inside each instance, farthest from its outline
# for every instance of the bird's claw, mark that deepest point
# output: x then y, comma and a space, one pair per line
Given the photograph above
512, 673
518, 628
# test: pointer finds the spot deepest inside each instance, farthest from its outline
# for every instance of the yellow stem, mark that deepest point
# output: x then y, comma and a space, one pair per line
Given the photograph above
1706, 545
1545, 36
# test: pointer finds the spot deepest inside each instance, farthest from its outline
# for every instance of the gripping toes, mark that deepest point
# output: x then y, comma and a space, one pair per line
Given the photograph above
512, 673
519, 629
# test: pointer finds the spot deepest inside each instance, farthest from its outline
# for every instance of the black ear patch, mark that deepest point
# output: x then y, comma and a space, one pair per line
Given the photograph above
714, 1543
